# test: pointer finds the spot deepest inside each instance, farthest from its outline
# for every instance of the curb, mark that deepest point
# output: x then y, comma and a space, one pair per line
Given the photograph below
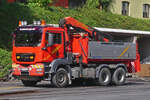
17, 92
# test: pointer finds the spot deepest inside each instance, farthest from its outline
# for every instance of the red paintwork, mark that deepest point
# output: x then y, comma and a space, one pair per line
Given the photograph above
41, 55
75, 23
36, 50
80, 47
48, 54
10, 1
137, 61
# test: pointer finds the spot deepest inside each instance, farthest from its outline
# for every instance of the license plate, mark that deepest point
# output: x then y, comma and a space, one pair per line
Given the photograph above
24, 69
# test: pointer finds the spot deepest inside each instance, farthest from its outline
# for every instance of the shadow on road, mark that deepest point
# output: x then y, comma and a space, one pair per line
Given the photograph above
87, 84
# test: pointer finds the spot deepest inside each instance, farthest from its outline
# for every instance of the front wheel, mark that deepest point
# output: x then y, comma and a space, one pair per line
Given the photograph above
60, 79
29, 83
104, 78
119, 76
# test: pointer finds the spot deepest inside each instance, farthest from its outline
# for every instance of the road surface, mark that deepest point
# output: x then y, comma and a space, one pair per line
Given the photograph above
132, 90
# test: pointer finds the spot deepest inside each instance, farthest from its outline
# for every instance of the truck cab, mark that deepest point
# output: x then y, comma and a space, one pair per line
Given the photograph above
34, 48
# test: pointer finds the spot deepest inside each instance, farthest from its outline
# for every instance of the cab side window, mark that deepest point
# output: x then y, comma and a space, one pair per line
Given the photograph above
57, 38
53, 38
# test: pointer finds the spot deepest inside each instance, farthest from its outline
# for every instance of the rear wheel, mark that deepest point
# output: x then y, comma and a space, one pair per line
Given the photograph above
104, 78
119, 76
60, 79
29, 83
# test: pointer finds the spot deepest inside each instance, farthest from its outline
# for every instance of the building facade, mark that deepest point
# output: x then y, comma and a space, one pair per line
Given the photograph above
133, 8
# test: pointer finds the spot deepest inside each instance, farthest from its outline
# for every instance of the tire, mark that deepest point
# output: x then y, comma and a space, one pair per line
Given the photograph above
53, 81
104, 78
60, 79
119, 76
29, 83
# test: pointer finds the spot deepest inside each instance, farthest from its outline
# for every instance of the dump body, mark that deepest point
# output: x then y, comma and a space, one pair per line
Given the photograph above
111, 50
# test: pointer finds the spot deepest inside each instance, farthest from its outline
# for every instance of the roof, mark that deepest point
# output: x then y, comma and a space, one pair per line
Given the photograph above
123, 31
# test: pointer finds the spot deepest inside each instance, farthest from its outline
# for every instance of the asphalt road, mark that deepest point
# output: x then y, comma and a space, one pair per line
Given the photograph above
132, 90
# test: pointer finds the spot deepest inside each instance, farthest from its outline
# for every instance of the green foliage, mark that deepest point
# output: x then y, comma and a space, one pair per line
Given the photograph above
10, 14
96, 3
5, 62
92, 3
105, 3
40, 3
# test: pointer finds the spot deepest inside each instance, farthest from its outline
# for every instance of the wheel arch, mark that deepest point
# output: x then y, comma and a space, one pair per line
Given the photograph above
123, 66
61, 63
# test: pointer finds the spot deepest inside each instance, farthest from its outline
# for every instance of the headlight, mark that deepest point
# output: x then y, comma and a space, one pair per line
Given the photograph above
18, 57
31, 57
15, 65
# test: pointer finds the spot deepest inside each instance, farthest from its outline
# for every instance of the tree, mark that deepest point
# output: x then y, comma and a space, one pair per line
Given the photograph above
98, 3
41, 3
92, 3
105, 3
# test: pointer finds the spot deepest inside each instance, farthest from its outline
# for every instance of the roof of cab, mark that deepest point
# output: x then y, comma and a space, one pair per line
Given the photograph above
40, 27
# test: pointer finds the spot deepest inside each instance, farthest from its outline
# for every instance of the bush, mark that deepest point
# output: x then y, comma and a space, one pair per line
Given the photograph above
105, 3
92, 3
5, 62
97, 3
40, 3
10, 14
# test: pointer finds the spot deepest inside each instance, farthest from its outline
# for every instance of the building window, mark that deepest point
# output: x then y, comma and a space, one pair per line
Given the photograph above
146, 10
125, 8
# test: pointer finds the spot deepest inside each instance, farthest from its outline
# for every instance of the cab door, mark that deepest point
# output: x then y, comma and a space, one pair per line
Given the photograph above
54, 45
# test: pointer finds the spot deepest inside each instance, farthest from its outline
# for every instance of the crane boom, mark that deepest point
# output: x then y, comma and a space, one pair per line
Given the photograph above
68, 22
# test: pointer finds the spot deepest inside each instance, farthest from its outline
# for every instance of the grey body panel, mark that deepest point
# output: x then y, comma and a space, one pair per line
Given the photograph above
87, 72
111, 50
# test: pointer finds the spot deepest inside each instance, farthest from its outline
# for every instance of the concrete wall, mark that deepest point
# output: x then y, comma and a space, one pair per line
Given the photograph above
135, 7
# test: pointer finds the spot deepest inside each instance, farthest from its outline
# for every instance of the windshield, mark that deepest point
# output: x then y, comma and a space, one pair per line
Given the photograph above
28, 38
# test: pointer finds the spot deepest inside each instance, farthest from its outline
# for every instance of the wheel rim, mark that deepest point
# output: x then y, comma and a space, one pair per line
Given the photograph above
61, 78
105, 77
121, 76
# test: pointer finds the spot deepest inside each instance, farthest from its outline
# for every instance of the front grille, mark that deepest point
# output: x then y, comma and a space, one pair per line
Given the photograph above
25, 57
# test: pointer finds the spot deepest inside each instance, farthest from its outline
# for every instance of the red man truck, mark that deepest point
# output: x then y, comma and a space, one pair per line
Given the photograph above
70, 51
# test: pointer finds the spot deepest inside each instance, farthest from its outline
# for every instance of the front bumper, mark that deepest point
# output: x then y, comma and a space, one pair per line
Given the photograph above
28, 70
